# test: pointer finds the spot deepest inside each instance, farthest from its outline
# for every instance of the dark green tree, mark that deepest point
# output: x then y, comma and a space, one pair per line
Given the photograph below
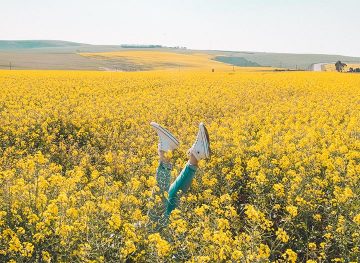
340, 66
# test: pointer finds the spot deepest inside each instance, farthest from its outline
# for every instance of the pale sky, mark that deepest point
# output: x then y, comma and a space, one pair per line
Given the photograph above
296, 26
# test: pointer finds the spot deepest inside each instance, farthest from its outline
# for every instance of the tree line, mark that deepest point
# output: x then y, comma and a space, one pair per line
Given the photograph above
340, 67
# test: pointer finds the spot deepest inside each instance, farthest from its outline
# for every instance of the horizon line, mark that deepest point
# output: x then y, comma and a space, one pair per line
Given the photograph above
174, 47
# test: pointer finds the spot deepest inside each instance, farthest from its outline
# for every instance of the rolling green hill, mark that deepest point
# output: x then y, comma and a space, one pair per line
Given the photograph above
31, 44
236, 61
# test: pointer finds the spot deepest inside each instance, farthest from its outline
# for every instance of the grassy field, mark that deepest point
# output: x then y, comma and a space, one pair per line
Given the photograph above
78, 161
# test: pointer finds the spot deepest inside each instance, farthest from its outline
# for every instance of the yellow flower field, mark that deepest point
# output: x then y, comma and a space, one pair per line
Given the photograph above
160, 60
78, 161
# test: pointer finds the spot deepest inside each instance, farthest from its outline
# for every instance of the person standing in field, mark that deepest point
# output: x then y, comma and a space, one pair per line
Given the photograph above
167, 142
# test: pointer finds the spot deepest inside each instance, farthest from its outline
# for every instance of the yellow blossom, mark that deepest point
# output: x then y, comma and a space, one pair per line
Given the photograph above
292, 210
282, 235
290, 255
279, 189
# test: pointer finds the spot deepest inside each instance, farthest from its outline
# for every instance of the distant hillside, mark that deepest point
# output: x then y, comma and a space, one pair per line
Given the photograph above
140, 46
279, 60
55, 54
237, 61
30, 44
142, 60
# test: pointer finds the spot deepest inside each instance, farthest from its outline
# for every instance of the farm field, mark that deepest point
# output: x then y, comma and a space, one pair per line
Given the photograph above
64, 55
78, 161
160, 60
